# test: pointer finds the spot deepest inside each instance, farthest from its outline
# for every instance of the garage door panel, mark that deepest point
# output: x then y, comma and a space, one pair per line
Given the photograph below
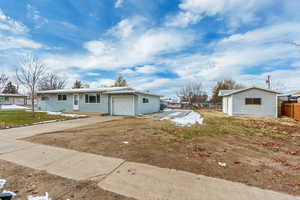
123, 105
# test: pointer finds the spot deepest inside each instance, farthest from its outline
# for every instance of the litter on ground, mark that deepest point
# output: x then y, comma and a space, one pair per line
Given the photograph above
125, 142
9, 192
12, 107
46, 197
181, 117
2, 183
222, 164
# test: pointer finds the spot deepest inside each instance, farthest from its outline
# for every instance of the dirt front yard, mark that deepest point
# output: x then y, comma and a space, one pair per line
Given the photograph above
25, 181
257, 151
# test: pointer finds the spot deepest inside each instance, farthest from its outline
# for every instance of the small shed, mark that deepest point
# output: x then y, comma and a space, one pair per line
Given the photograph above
252, 101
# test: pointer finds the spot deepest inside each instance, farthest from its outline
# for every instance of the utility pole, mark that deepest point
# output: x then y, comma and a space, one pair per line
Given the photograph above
268, 82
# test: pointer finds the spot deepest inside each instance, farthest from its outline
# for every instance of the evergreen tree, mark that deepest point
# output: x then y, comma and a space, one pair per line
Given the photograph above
120, 82
77, 84
10, 89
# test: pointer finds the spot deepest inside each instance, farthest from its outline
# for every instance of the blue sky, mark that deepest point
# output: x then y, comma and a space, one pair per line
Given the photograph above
157, 45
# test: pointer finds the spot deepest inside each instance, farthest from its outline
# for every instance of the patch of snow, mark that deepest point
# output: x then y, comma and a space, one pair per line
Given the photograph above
12, 107
2, 183
64, 114
189, 119
46, 197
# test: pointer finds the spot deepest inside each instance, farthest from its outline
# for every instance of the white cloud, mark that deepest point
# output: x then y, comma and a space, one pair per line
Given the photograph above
102, 83
126, 27
93, 74
35, 16
128, 72
7, 42
237, 11
138, 48
259, 50
148, 69
13, 26
119, 3
14, 35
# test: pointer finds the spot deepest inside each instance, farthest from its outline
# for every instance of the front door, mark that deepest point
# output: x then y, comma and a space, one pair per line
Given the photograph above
75, 102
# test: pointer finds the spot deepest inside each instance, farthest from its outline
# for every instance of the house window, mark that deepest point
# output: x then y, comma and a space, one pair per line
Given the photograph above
253, 101
145, 100
62, 97
92, 98
45, 98
6, 98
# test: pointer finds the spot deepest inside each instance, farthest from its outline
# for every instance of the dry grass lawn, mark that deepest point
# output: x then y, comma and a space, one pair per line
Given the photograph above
15, 118
258, 151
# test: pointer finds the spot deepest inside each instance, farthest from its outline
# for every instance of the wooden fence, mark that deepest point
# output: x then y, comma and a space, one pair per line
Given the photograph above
291, 110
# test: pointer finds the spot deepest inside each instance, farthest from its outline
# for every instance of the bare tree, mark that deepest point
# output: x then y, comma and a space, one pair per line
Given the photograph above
3, 81
223, 85
29, 73
51, 82
191, 91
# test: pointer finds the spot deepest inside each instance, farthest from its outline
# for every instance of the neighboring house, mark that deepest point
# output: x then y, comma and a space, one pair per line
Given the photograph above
171, 102
108, 100
13, 99
251, 101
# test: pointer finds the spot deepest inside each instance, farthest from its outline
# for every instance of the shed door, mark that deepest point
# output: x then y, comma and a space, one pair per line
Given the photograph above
123, 105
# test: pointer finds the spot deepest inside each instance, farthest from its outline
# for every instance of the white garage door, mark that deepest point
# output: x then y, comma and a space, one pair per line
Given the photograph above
123, 105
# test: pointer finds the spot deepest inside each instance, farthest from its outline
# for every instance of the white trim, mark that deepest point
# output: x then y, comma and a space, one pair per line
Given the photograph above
133, 105
111, 105
84, 94
276, 106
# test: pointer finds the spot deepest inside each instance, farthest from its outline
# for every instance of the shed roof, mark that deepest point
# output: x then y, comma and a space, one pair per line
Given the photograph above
231, 92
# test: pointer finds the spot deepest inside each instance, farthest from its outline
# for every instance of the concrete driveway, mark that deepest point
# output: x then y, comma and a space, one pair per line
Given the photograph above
131, 179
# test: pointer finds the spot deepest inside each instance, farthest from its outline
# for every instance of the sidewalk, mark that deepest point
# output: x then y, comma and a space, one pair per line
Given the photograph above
135, 180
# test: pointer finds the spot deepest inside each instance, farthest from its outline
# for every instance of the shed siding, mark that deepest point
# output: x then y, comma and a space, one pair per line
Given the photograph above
151, 107
230, 106
268, 107
225, 105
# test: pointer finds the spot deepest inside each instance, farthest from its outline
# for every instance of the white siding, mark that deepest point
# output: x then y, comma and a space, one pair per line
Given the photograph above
230, 106
151, 107
268, 107
225, 105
